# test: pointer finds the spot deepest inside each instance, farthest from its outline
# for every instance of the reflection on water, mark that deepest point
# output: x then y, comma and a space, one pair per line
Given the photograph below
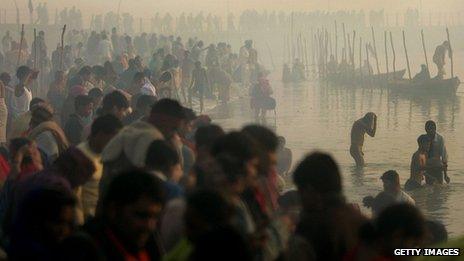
319, 117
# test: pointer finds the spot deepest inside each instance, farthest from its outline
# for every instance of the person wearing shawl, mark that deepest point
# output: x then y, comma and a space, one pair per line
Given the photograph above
48, 134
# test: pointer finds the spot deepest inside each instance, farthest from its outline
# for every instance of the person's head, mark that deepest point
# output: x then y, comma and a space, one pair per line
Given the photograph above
243, 148
391, 181
139, 80
436, 233
205, 137
431, 129
5, 78
115, 103
53, 219
144, 104
132, 205
35, 102
15, 146
83, 105
206, 209
234, 174
318, 179
368, 117
198, 64
267, 143
40, 114
24, 75
99, 72
162, 157
187, 124
424, 143
399, 226
103, 129
85, 73
96, 94
167, 115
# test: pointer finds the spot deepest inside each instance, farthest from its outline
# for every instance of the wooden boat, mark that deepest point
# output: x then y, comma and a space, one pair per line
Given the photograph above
357, 79
432, 86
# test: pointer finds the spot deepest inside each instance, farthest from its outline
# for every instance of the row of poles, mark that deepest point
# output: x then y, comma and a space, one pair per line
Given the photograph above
321, 50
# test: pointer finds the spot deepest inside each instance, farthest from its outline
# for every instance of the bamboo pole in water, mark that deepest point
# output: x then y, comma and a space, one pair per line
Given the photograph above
394, 56
344, 41
375, 50
336, 42
360, 58
368, 63
386, 54
352, 51
407, 57
450, 52
291, 37
21, 41
425, 51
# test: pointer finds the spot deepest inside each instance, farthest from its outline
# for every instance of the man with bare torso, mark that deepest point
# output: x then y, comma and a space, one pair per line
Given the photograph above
367, 124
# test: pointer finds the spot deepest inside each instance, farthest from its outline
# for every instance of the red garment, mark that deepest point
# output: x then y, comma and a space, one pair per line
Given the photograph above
4, 168
140, 256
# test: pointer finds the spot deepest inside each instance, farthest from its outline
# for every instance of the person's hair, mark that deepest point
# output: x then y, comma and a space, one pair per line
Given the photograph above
236, 144
5, 77
168, 107
23, 71
16, 144
209, 206
41, 114
74, 166
205, 136
95, 93
430, 124
114, 99
189, 114
320, 172
404, 217
35, 101
436, 232
106, 124
42, 205
423, 139
161, 156
128, 187
81, 101
99, 71
265, 138
86, 70
145, 101
281, 141
138, 77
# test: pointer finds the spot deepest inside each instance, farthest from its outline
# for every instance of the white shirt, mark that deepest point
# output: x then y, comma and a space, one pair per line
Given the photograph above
148, 88
20, 105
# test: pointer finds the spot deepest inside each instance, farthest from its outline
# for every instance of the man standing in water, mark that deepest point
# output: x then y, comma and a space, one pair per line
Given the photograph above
367, 124
437, 159
439, 58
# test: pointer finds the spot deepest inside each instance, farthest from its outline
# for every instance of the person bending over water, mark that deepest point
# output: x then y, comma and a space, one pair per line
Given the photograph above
367, 124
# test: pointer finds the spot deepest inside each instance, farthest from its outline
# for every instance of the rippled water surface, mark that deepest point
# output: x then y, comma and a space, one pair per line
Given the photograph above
313, 116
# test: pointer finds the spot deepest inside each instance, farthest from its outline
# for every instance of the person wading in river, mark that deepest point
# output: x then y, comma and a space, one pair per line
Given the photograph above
367, 124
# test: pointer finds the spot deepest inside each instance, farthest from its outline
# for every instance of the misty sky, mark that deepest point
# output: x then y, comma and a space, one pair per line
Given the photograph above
147, 7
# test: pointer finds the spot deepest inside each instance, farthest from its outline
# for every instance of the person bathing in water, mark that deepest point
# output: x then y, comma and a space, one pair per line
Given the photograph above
418, 164
367, 124
437, 158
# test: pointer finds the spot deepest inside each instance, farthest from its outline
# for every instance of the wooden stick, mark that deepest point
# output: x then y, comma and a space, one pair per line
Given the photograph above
336, 42
375, 50
35, 48
360, 58
425, 51
21, 41
352, 51
407, 57
62, 47
386, 54
450, 52
368, 63
344, 40
394, 56
291, 37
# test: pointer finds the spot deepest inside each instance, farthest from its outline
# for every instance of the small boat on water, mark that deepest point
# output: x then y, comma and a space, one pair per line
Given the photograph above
432, 86
359, 79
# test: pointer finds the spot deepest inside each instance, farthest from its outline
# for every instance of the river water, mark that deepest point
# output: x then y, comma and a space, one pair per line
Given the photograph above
312, 116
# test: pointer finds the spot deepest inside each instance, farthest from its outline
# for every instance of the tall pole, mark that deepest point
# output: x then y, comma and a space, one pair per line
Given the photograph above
360, 58
425, 51
21, 41
344, 41
450, 53
62, 47
336, 42
386, 53
407, 57
394, 56
375, 50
